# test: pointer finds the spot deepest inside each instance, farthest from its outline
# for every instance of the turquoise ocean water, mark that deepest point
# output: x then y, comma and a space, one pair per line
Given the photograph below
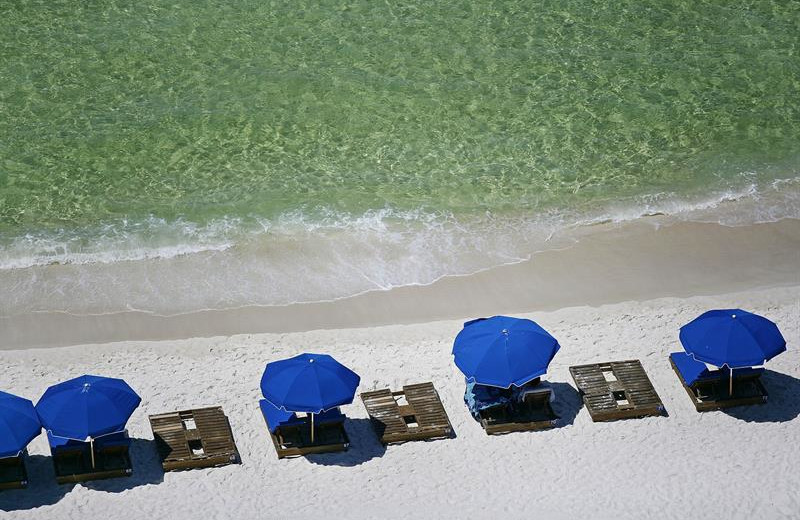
296, 151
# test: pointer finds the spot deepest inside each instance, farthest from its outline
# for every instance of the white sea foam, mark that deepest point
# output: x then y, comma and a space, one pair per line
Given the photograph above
117, 242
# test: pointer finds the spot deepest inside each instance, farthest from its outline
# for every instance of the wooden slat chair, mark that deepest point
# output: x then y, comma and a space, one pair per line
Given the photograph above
534, 412
72, 459
291, 435
709, 389
421, 416
198, 438
617, 390
13, 473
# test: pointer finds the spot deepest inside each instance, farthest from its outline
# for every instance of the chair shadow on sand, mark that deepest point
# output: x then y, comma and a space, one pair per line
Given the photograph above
146, 469
783, 404
567, 403
43, 490
364, 446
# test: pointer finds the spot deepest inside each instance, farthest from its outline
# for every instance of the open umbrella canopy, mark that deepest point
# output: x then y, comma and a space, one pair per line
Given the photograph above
503, 351
19, 424
87, 407
308, 383
732, 337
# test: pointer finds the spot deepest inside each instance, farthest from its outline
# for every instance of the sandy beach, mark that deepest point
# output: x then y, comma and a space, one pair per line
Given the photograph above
734, 464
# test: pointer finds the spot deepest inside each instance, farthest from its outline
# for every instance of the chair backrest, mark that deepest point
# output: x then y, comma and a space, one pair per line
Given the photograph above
333, 415
63, 445
693, 371
480, 397
118, 441
696, 374
747, 373
536, 398
276, 417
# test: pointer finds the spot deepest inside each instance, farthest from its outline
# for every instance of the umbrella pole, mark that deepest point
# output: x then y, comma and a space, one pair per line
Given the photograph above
91, 449
312, 427
730, 387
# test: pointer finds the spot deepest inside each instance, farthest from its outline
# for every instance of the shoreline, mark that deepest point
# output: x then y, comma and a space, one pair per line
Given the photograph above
307, 261
631, 262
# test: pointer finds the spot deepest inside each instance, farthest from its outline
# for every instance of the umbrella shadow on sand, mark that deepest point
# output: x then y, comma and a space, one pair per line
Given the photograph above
783, 403
567, 403
364, 446
146, 469
42, 489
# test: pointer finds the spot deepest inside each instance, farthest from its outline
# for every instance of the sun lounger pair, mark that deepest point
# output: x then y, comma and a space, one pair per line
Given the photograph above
291, 434
709, 389
411, 414
74, 462
514, 409
198, 438
617, 390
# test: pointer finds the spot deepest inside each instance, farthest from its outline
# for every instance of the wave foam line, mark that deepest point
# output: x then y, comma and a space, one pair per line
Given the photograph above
156, 238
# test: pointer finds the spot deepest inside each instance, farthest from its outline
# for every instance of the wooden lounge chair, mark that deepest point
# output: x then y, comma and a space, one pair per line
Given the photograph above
199, 438
617, 390
291, 434
13, 474
414, 413
709, 389
532, 412
73, 459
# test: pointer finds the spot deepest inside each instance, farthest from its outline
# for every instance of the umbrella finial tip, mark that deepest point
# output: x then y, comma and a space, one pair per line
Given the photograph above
311, 360
504, 331
733, 315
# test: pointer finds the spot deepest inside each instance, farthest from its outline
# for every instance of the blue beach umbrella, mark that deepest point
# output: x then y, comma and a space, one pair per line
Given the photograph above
19, 424
732, 338
309, 383
503, 351
87, 407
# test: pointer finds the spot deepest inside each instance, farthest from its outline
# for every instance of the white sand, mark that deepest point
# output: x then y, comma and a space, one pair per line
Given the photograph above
735, 464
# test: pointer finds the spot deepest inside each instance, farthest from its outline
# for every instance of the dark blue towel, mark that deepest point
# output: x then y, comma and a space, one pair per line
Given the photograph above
480, 397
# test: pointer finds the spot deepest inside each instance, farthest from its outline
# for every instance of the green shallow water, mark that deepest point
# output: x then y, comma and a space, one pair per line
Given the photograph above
195, 111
